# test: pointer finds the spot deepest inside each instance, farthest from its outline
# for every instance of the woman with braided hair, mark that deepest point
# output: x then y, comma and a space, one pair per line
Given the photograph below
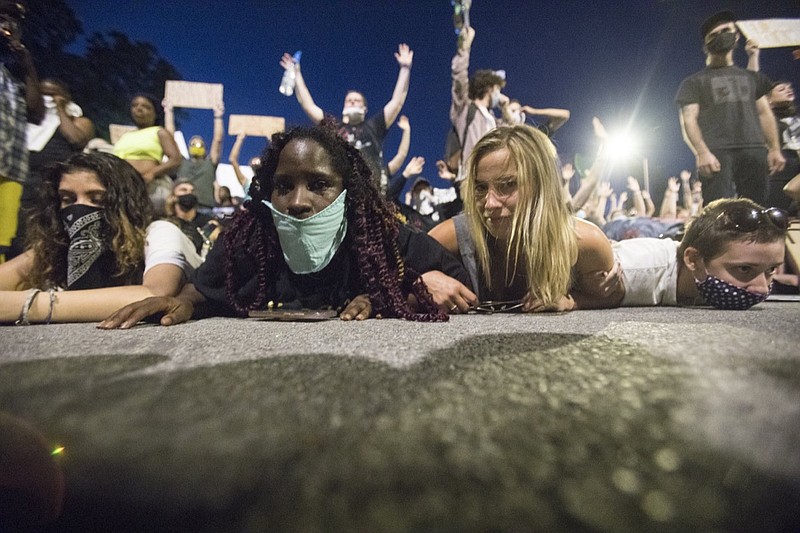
316, 234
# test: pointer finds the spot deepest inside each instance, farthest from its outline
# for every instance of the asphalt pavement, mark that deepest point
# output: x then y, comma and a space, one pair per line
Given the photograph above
650, 419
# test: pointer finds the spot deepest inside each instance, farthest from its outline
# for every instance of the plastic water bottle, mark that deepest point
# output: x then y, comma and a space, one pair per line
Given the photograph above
288, 80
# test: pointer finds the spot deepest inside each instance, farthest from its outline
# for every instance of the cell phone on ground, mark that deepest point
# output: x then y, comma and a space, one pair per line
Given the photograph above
294, 315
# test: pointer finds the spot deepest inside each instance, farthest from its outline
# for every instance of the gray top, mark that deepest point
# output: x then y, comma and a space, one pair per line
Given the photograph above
466, 248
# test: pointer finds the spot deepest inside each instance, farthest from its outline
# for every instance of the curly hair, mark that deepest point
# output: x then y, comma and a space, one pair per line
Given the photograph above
126, 208
482, 82
371, 240
542, 226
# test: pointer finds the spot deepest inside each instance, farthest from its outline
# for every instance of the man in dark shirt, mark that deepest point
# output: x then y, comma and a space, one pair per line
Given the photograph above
726, 119
366, 134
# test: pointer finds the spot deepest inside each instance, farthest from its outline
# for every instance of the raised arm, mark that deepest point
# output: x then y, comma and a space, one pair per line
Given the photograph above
404, 57
76, 130
169, 116
402, 150
669, 205
219, 134
686, 190
459, 73
753, 52
311, 109
638, 199
556, 117
233, 158
414, 168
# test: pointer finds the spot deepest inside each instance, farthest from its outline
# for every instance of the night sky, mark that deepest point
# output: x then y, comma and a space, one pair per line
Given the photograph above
622, 60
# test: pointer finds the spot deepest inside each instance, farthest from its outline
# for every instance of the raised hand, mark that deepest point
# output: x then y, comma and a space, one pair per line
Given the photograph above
287, 61
414, 166
403, 123
672, 184
404, 55
444, 172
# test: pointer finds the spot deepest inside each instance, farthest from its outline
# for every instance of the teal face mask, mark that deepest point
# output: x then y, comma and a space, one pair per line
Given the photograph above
309, 244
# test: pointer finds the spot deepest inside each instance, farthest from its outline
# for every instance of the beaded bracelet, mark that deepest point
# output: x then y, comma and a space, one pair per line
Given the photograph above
26, 308
52, 293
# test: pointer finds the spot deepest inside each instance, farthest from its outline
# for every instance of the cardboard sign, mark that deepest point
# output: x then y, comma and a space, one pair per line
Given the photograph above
772, 33
255, 125
193, 94
115, 131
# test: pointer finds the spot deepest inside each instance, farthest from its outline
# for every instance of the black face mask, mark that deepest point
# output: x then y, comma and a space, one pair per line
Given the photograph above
90, 263
784, 109
722, 43
187, 201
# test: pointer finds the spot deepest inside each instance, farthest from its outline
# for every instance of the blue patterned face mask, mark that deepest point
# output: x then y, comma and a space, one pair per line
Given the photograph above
724, 295
309, 244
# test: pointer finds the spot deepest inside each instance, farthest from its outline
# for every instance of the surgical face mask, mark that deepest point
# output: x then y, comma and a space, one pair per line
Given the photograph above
187, 201
354, 114
722, 43
723, 295
495, 99
49, 102
309, 244
518, 117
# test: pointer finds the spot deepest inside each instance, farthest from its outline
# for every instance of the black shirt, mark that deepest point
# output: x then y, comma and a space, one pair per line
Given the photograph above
328, 288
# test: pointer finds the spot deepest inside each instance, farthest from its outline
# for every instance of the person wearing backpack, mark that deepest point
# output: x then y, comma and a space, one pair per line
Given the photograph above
473, 100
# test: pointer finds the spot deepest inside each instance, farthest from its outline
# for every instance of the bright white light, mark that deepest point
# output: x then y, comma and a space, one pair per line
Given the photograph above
622, 145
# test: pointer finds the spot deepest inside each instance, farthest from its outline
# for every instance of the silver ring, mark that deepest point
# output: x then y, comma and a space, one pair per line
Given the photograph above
455, 306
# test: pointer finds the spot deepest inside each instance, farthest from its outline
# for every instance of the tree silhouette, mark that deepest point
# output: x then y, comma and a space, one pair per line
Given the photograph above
112, 69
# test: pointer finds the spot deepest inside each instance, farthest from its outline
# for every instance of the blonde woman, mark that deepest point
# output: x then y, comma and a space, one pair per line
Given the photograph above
517, 237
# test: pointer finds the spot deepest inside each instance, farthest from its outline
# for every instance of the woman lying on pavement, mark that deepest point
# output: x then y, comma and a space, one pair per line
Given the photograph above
727, 259
517, 238
316, 235
92, 247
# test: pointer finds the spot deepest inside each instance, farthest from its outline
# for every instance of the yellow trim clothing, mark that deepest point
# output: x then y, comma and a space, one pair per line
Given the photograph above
10, 193
140, 144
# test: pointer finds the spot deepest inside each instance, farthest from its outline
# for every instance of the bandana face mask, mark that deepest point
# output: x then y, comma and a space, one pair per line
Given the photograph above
309, 244
723, 295
90, 263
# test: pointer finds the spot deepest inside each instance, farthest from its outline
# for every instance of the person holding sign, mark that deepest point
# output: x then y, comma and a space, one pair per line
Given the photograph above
726, 119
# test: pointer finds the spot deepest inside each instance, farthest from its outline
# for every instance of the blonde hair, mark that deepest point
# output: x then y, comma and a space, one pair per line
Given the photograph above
542, 235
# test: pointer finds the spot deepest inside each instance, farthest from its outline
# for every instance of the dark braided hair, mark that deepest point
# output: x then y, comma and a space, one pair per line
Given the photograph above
373, 228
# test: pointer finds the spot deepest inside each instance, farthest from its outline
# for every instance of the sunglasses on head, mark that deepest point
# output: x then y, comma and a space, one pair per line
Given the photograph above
747, 219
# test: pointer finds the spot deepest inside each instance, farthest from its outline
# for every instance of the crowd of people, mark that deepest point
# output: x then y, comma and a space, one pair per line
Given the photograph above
142, 231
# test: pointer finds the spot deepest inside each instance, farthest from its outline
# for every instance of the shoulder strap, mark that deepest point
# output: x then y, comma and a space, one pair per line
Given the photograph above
471, 110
